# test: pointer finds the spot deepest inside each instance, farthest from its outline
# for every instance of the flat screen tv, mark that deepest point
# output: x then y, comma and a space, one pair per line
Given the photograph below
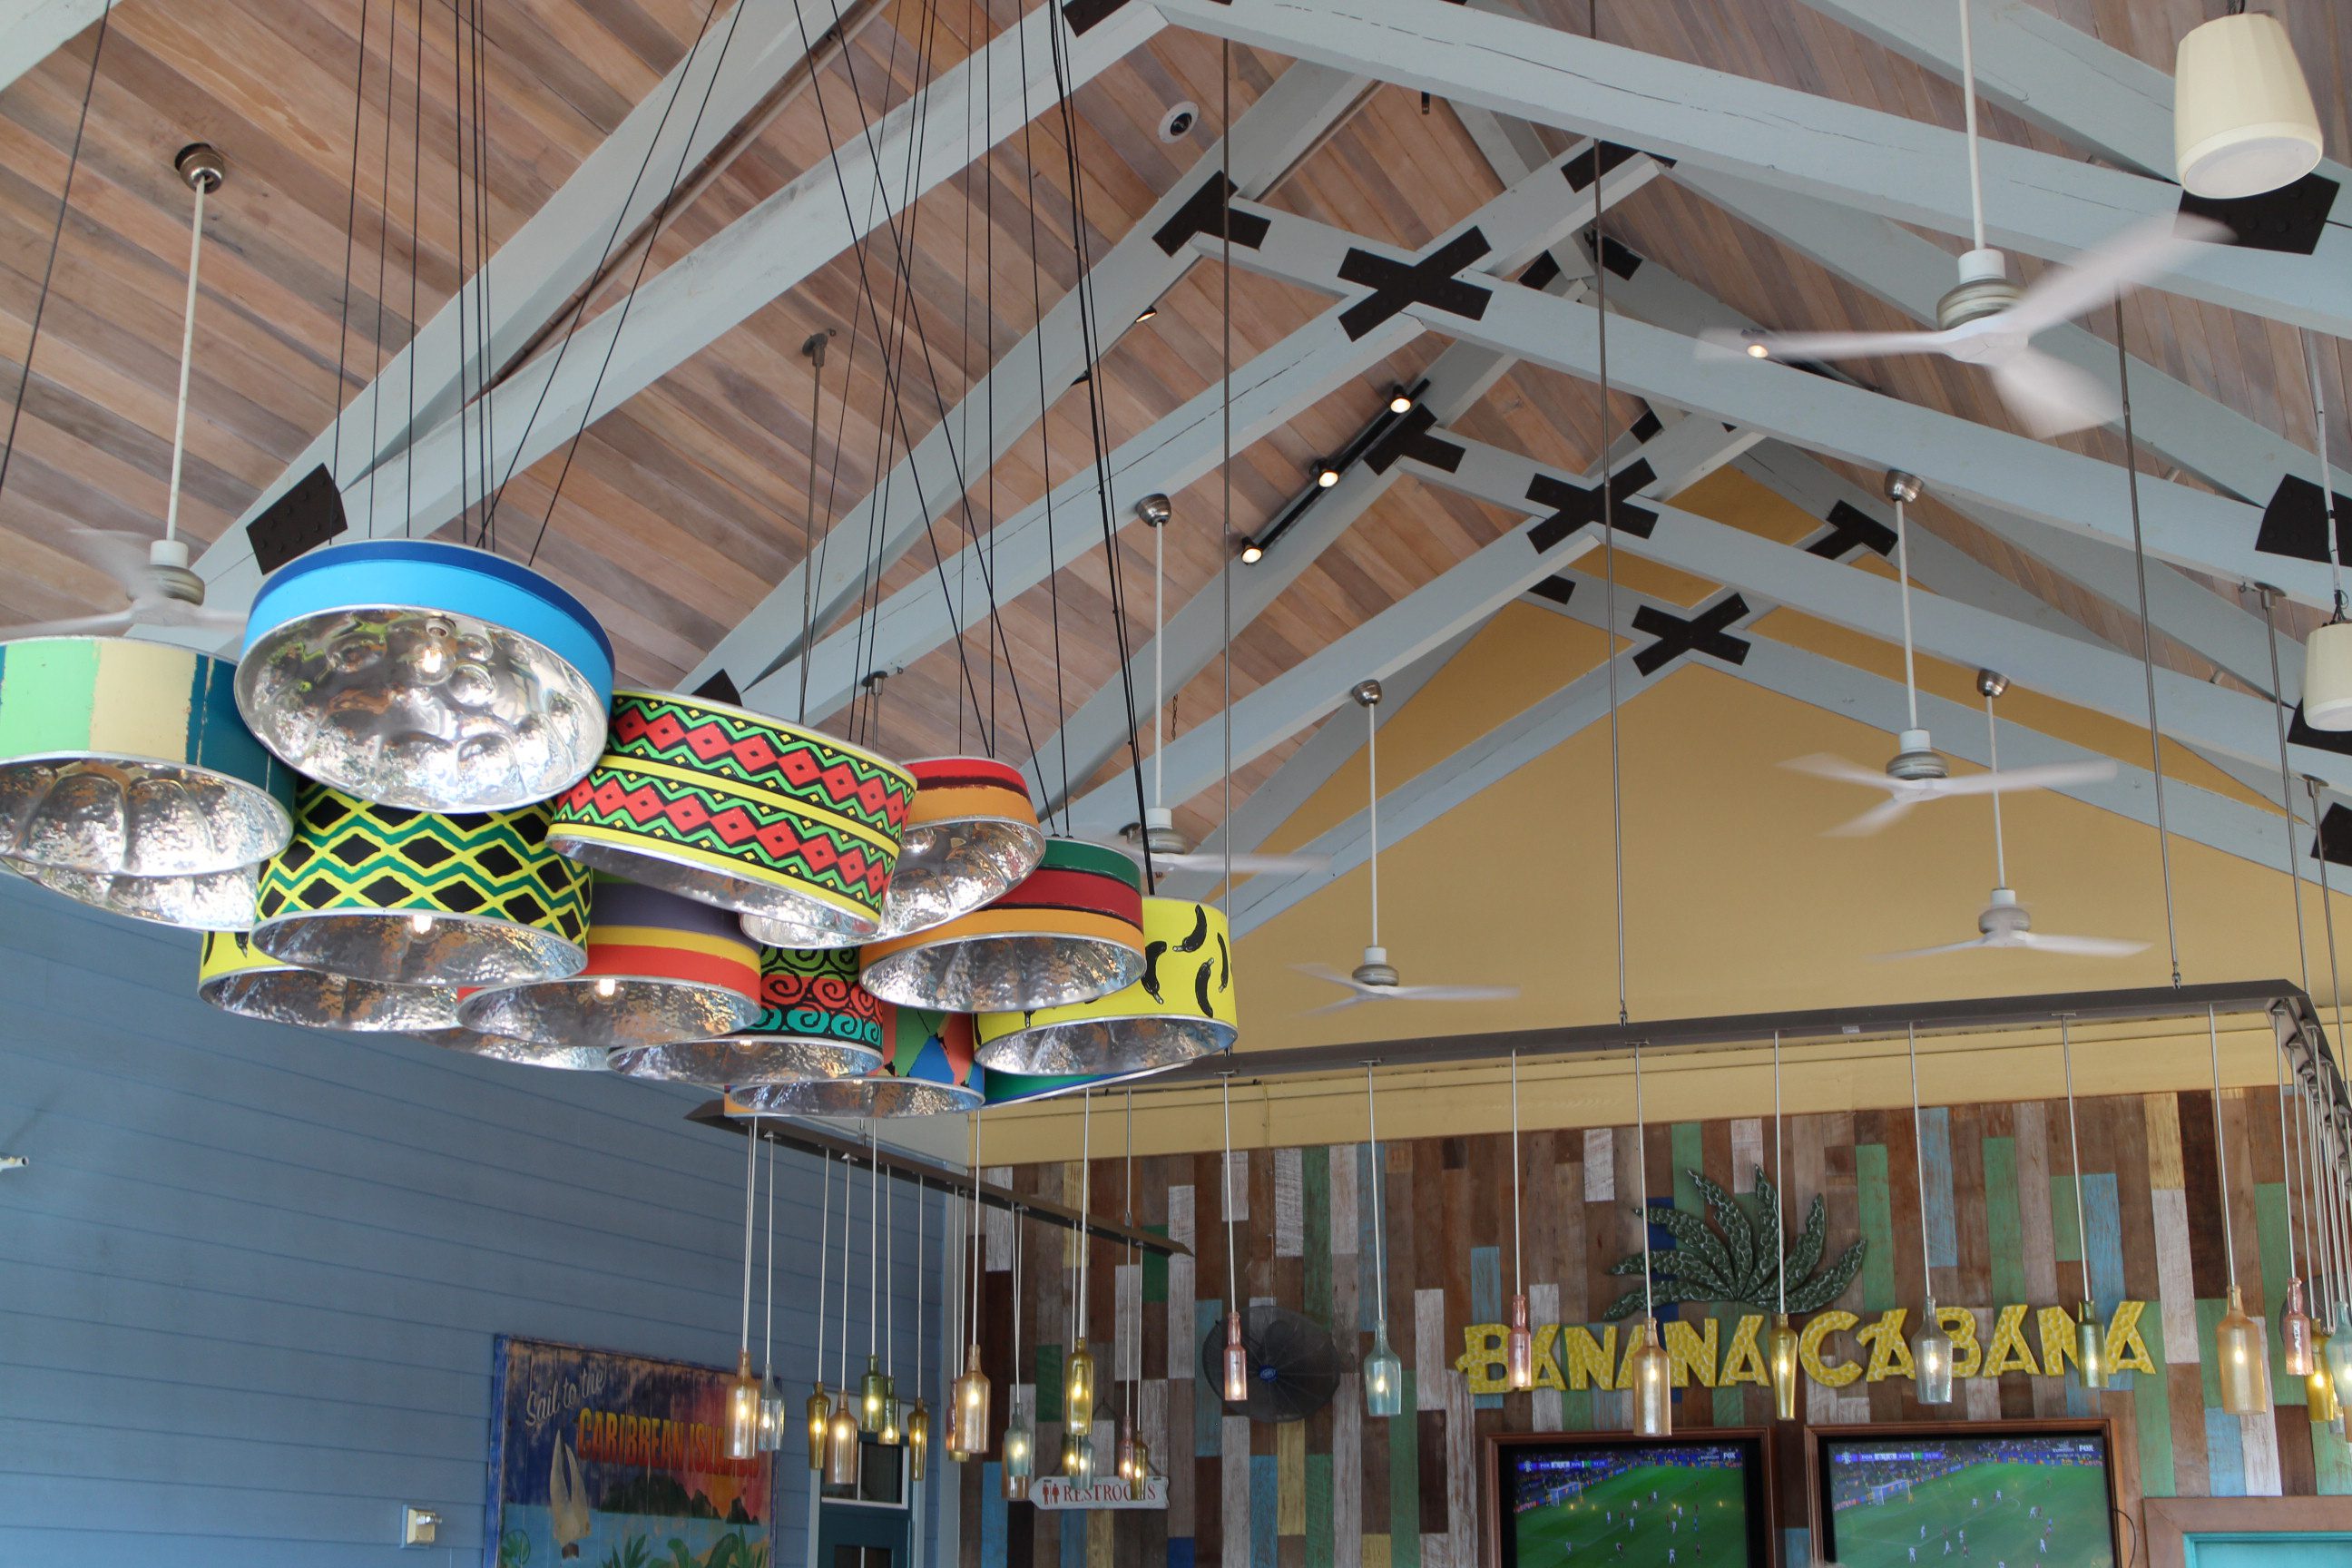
1564, 1501
1986, 1495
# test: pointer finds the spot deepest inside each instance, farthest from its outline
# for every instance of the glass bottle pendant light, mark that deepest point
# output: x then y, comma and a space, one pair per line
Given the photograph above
842, 1445
773, 1417
819, 1413
2296, 1343
1384, 1373
2090, 1342
1077, 1455
1078, 1379
1139, 1482
2319, 1389
1124, 1450
1931, 1347
1781, 1343
743, 1398
1235, 1381
873, 1396
1234, 1384
2090, 1346
1780, 1351
1518, 1343
969, 1415
1020, 1455
1653, 1373
918, 1436
2241, 1365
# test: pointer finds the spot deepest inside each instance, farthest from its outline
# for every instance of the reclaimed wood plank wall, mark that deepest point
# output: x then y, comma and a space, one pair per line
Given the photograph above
1343, 1490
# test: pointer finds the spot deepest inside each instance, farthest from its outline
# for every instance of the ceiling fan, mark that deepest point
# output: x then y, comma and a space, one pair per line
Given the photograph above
1988, 320
2003, 922
1157, 836
1375, 979
152, 574
1917, 772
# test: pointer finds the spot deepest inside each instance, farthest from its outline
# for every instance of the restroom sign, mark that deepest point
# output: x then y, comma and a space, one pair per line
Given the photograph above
1058, 1492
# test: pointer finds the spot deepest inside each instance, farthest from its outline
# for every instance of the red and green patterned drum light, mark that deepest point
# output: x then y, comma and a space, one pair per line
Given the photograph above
815, 1021
735, 809
660, 969
971, 834
238, 977
1070, 931
929, 1072
1180, 1008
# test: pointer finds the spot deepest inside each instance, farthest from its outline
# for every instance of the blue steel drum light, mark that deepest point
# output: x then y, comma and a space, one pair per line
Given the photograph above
414, 673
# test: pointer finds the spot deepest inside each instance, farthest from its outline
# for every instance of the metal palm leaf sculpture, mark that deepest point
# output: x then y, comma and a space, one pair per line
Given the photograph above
1743, 1264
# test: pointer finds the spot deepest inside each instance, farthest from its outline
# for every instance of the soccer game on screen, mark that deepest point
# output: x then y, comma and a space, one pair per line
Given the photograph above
1990, 1502
1645, 1507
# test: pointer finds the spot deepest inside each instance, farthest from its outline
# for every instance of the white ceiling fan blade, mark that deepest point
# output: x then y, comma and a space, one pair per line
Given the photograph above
1823, 766
1878, 818
2077, 946
1342, 1004
154, 610
121, 556
1972, 942
1453, 992
2144, 251
80, 626
2041, 775
1720, 343
2050, 397
1254, 865
1323, 971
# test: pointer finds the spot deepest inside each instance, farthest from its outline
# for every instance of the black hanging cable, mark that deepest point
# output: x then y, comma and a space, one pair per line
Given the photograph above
814, 348
484, 249
2146, 641
416, 262
56, 238
382, 256
1098, 431
350, 230
645, 259
1044, 431
457, 202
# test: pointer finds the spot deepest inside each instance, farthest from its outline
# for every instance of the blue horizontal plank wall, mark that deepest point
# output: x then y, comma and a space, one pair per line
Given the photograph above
250, 1282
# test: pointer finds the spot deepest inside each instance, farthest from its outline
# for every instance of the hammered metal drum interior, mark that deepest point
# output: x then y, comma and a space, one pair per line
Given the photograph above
972, 835
212, 900
1070, 931
415, 673
930, 1073
815, 1021
416, 898
236, 977
524, 1053
1182, 1007
660, 969
741, 811
120, 757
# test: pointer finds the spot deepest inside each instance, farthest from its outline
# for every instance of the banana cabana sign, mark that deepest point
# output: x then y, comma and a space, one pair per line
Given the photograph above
1739, 1261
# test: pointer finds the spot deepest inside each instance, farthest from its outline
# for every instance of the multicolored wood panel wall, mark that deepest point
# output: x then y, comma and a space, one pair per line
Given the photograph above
1341, 1491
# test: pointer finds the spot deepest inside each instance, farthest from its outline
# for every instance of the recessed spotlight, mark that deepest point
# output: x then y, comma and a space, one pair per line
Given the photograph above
1326, 476
1147, 312
1400, 401
1758, 351
1252, 553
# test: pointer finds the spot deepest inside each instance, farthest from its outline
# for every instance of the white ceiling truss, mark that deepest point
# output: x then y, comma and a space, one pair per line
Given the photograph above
1836, 181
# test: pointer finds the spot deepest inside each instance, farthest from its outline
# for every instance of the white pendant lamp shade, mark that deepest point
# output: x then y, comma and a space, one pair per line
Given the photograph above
2328, 677
2242, 121
409, 672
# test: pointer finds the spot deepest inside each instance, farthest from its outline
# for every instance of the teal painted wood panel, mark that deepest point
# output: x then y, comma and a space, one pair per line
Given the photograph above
2225, 1454
1315, 1185
2271, 1221
1877, 1216
1936, 1186
2323, 1551
1404, 1480
2004, 1221
2152, 1414
2332, 1459
1690, 1154
1208, 1400
993, 1508
1265, 1488
1487, 1303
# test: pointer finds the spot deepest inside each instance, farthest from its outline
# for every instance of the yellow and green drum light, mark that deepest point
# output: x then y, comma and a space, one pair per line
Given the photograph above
128, 782
415, 673
1180, 1008
744, 812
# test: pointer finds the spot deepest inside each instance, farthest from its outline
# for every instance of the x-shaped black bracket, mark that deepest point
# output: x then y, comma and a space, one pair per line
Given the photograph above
1703, 633
1409, 436
1850, 527
1574, 505
1429, 281
1204, 211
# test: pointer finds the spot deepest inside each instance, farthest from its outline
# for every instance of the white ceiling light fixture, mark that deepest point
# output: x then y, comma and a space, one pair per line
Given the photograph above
2242, 119
1988, 320
2003, 922
1376, 979
1917, 772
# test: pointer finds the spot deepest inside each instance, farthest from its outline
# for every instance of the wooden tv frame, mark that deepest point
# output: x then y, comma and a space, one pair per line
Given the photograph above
1490, 1528
2103, 1427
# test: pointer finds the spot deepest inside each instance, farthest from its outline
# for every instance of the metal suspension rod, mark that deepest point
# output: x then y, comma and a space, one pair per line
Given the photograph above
200, 182
2222, 1148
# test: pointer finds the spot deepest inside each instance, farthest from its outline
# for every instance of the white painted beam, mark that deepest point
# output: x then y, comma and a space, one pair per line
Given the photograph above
33, 30
1281, 127
709, 292
2189, 527
1023, 551
2035, 201
2101, 679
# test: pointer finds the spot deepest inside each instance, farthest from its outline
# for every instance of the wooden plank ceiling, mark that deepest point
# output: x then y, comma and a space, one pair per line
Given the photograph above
681, 509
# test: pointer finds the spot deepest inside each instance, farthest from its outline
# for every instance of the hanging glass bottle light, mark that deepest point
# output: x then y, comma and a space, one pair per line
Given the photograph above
969, 1416
2242, 1365
2090, 1346
660, 969
2319, 1390
1235, 1363
970, 835
1070, 931
1077, 1455
1653, 1371
2295, 1342
233, 976
818, 1412
1139, 1480
1780, 1351
413, 673
403, 896
1020, 1454
815, 1021
1383, 1378
1182, 1007
842, 1445
744, 812
917, 1429
1384, 1373
1078, 1382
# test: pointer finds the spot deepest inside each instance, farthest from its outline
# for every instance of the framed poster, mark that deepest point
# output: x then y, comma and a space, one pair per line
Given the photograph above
616, 1461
